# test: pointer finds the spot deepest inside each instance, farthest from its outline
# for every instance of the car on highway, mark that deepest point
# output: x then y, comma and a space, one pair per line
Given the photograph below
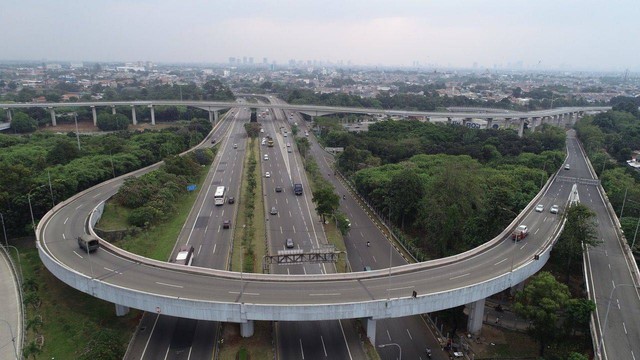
540, 208
231, 200
88, 245
266, 157
567, 166
261, 130
554, 209
273, 211
267, 174
289, 243
288, 145
235, 146
289, 150
226, 224
520, 233
306, 133
367, 268
185, 256
278, 188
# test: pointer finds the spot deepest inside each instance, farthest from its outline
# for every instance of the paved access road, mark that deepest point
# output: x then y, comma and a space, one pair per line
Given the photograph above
167, 337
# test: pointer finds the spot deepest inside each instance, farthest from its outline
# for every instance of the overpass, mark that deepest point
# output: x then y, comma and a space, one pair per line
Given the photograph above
558, 116
129, 280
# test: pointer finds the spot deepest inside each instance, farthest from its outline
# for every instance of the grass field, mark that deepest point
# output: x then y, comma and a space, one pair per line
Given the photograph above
158, 241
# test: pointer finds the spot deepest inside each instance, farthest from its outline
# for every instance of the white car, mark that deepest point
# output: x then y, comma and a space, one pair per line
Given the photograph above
540, 208
567, 167
554, 209
267, 174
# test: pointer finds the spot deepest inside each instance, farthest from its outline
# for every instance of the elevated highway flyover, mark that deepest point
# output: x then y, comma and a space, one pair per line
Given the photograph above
129, 280
557, 116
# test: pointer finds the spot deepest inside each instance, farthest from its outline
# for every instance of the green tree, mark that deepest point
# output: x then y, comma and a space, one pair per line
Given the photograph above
63, 152
579, 229
105, 344
540, 302
23, 123
326, 200
303, 146
406, 191
111, 122
578, 315
252, 129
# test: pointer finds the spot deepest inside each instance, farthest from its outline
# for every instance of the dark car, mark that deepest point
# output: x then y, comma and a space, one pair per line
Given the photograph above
231, 200
289, 243
226, 224
278, 188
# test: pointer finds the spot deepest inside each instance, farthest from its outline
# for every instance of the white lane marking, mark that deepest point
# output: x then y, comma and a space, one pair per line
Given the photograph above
199, 249
401, 288
327, 294
501, 261
538, 229
166, 355
305, 270
78, 207
281, 232
244, 293
288, 272
374, 259
80, 256
323, 347
522, 247
459, 276
149, 339
625, 328
214, 248
294, 228
301, 349
389, 335
165, 284
410, 337
64, 237
67, 219
345, 339
96, 195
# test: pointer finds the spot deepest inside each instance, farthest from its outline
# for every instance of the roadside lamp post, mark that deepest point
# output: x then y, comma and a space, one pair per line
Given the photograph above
393, 344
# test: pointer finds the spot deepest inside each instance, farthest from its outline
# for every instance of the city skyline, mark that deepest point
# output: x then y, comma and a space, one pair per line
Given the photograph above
545, 35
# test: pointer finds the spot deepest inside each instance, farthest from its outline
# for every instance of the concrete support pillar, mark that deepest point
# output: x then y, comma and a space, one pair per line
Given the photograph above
153, 115
449, 120
465, 121
211, 116
53, 116
9, 118
476, 314
121, 310
95, 116
216, 115
561, 120
371, 330
535, 122
427, 119
489, 123
515, 288
133, 115
246, 329
113, 110
312, 118
521, 128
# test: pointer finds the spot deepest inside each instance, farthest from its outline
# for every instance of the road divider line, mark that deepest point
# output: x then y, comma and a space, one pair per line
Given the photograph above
165, 284
459, 276
327, 294
501, 261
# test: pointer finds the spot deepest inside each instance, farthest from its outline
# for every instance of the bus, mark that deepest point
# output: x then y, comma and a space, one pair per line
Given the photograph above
220, 194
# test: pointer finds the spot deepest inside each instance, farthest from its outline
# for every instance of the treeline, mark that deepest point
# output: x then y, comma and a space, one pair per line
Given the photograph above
428, 99
212, 90
28, 164
151, 197
450, 188
609, 139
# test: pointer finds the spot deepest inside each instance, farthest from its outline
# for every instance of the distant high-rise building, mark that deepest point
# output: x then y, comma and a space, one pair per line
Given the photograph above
264, 60
232, 60
244, 60
251, 60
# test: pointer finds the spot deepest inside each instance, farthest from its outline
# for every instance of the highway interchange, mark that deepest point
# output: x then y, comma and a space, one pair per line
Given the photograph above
296, 219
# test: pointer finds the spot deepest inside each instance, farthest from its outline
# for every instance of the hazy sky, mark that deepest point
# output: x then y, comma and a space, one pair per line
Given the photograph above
545, 34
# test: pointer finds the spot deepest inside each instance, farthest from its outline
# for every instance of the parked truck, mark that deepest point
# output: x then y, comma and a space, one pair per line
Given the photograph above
520, 233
